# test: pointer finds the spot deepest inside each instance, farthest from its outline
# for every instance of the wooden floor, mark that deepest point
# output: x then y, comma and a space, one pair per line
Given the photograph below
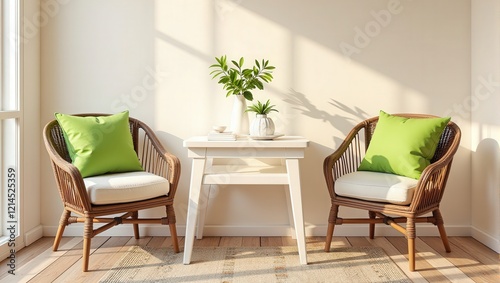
469, 261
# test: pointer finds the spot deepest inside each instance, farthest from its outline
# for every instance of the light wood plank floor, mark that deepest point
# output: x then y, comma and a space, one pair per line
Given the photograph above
469, 261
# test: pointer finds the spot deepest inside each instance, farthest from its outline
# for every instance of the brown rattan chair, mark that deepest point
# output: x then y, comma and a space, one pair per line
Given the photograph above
154, 159
426, 197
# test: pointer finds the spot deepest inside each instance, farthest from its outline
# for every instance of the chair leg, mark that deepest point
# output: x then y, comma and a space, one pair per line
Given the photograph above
371, 214
331, 226
411, 254
411, 235
135, 215
442, 232
63, 222
87, 237
173, 234
173, 229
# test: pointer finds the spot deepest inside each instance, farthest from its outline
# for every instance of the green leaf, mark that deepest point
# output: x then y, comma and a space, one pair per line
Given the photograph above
257, 63
215, 76
267, 78
235, 63
248, 95
216, 73
242, 61
232, 76
247, 72
259, 84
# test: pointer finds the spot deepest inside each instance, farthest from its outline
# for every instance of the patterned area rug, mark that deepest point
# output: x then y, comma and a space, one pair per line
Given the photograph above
246, 264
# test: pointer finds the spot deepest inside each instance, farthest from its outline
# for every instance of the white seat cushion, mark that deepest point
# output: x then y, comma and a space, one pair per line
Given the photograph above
125, 187
375, 186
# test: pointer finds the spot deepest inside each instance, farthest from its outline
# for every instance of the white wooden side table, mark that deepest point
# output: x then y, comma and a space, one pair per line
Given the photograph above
287, 148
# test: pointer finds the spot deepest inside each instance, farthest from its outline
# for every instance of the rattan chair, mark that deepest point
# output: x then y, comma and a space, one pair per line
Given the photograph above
426, 197
154, 159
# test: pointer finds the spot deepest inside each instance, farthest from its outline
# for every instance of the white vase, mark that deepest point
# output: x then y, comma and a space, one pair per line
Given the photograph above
240, 122
262, 126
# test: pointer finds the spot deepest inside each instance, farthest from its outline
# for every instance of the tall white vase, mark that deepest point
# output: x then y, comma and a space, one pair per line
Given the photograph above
240, 123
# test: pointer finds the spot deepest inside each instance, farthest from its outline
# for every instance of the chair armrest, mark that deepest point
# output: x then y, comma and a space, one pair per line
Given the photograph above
345, 159
68, 178
432, 182
156, 160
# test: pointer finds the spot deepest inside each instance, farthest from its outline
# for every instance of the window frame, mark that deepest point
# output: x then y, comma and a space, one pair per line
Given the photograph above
11, 72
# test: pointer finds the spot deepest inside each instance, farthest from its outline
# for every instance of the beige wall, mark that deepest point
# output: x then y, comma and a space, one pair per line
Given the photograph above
485, 122
337, 62
31, 152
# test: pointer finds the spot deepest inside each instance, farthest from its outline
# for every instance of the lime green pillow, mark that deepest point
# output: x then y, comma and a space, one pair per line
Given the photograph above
99, 145
403, 146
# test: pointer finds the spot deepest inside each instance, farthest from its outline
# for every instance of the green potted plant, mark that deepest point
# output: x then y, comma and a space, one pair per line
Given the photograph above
261, 108
262, 125
240, 82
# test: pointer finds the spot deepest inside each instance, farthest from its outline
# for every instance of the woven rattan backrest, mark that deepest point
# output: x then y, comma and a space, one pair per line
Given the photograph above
57, 140
445, 142
443, 146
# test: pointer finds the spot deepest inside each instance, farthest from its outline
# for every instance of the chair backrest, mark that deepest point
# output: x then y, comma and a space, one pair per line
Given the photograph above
55, 136
56, 140
448, 142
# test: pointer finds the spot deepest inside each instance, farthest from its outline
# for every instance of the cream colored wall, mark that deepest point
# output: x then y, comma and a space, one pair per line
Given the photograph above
31, 151
485, 122
337, 63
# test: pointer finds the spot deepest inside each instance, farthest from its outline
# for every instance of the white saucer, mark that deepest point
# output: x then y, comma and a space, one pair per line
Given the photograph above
271, 137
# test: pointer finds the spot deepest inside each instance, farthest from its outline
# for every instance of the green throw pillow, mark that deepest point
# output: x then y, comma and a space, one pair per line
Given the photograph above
403, 146
99, 145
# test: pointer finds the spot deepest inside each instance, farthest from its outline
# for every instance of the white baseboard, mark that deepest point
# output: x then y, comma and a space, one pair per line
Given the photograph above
34, 234
265, 231
486, 239
384, 230
76, 230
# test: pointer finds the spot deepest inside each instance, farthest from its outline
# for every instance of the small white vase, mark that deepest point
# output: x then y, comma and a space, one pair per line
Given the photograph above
262, 126
239, 118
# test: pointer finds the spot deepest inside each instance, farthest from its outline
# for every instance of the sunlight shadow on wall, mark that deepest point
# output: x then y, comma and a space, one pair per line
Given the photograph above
344, 123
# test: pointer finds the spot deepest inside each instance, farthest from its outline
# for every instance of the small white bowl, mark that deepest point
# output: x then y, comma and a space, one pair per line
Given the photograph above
219, 129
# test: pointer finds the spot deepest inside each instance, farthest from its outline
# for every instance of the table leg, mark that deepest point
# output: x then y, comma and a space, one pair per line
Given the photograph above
202, 210
290, 213
292, 166
198, 168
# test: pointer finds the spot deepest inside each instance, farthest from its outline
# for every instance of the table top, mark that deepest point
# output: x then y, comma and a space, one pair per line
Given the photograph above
280, 142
